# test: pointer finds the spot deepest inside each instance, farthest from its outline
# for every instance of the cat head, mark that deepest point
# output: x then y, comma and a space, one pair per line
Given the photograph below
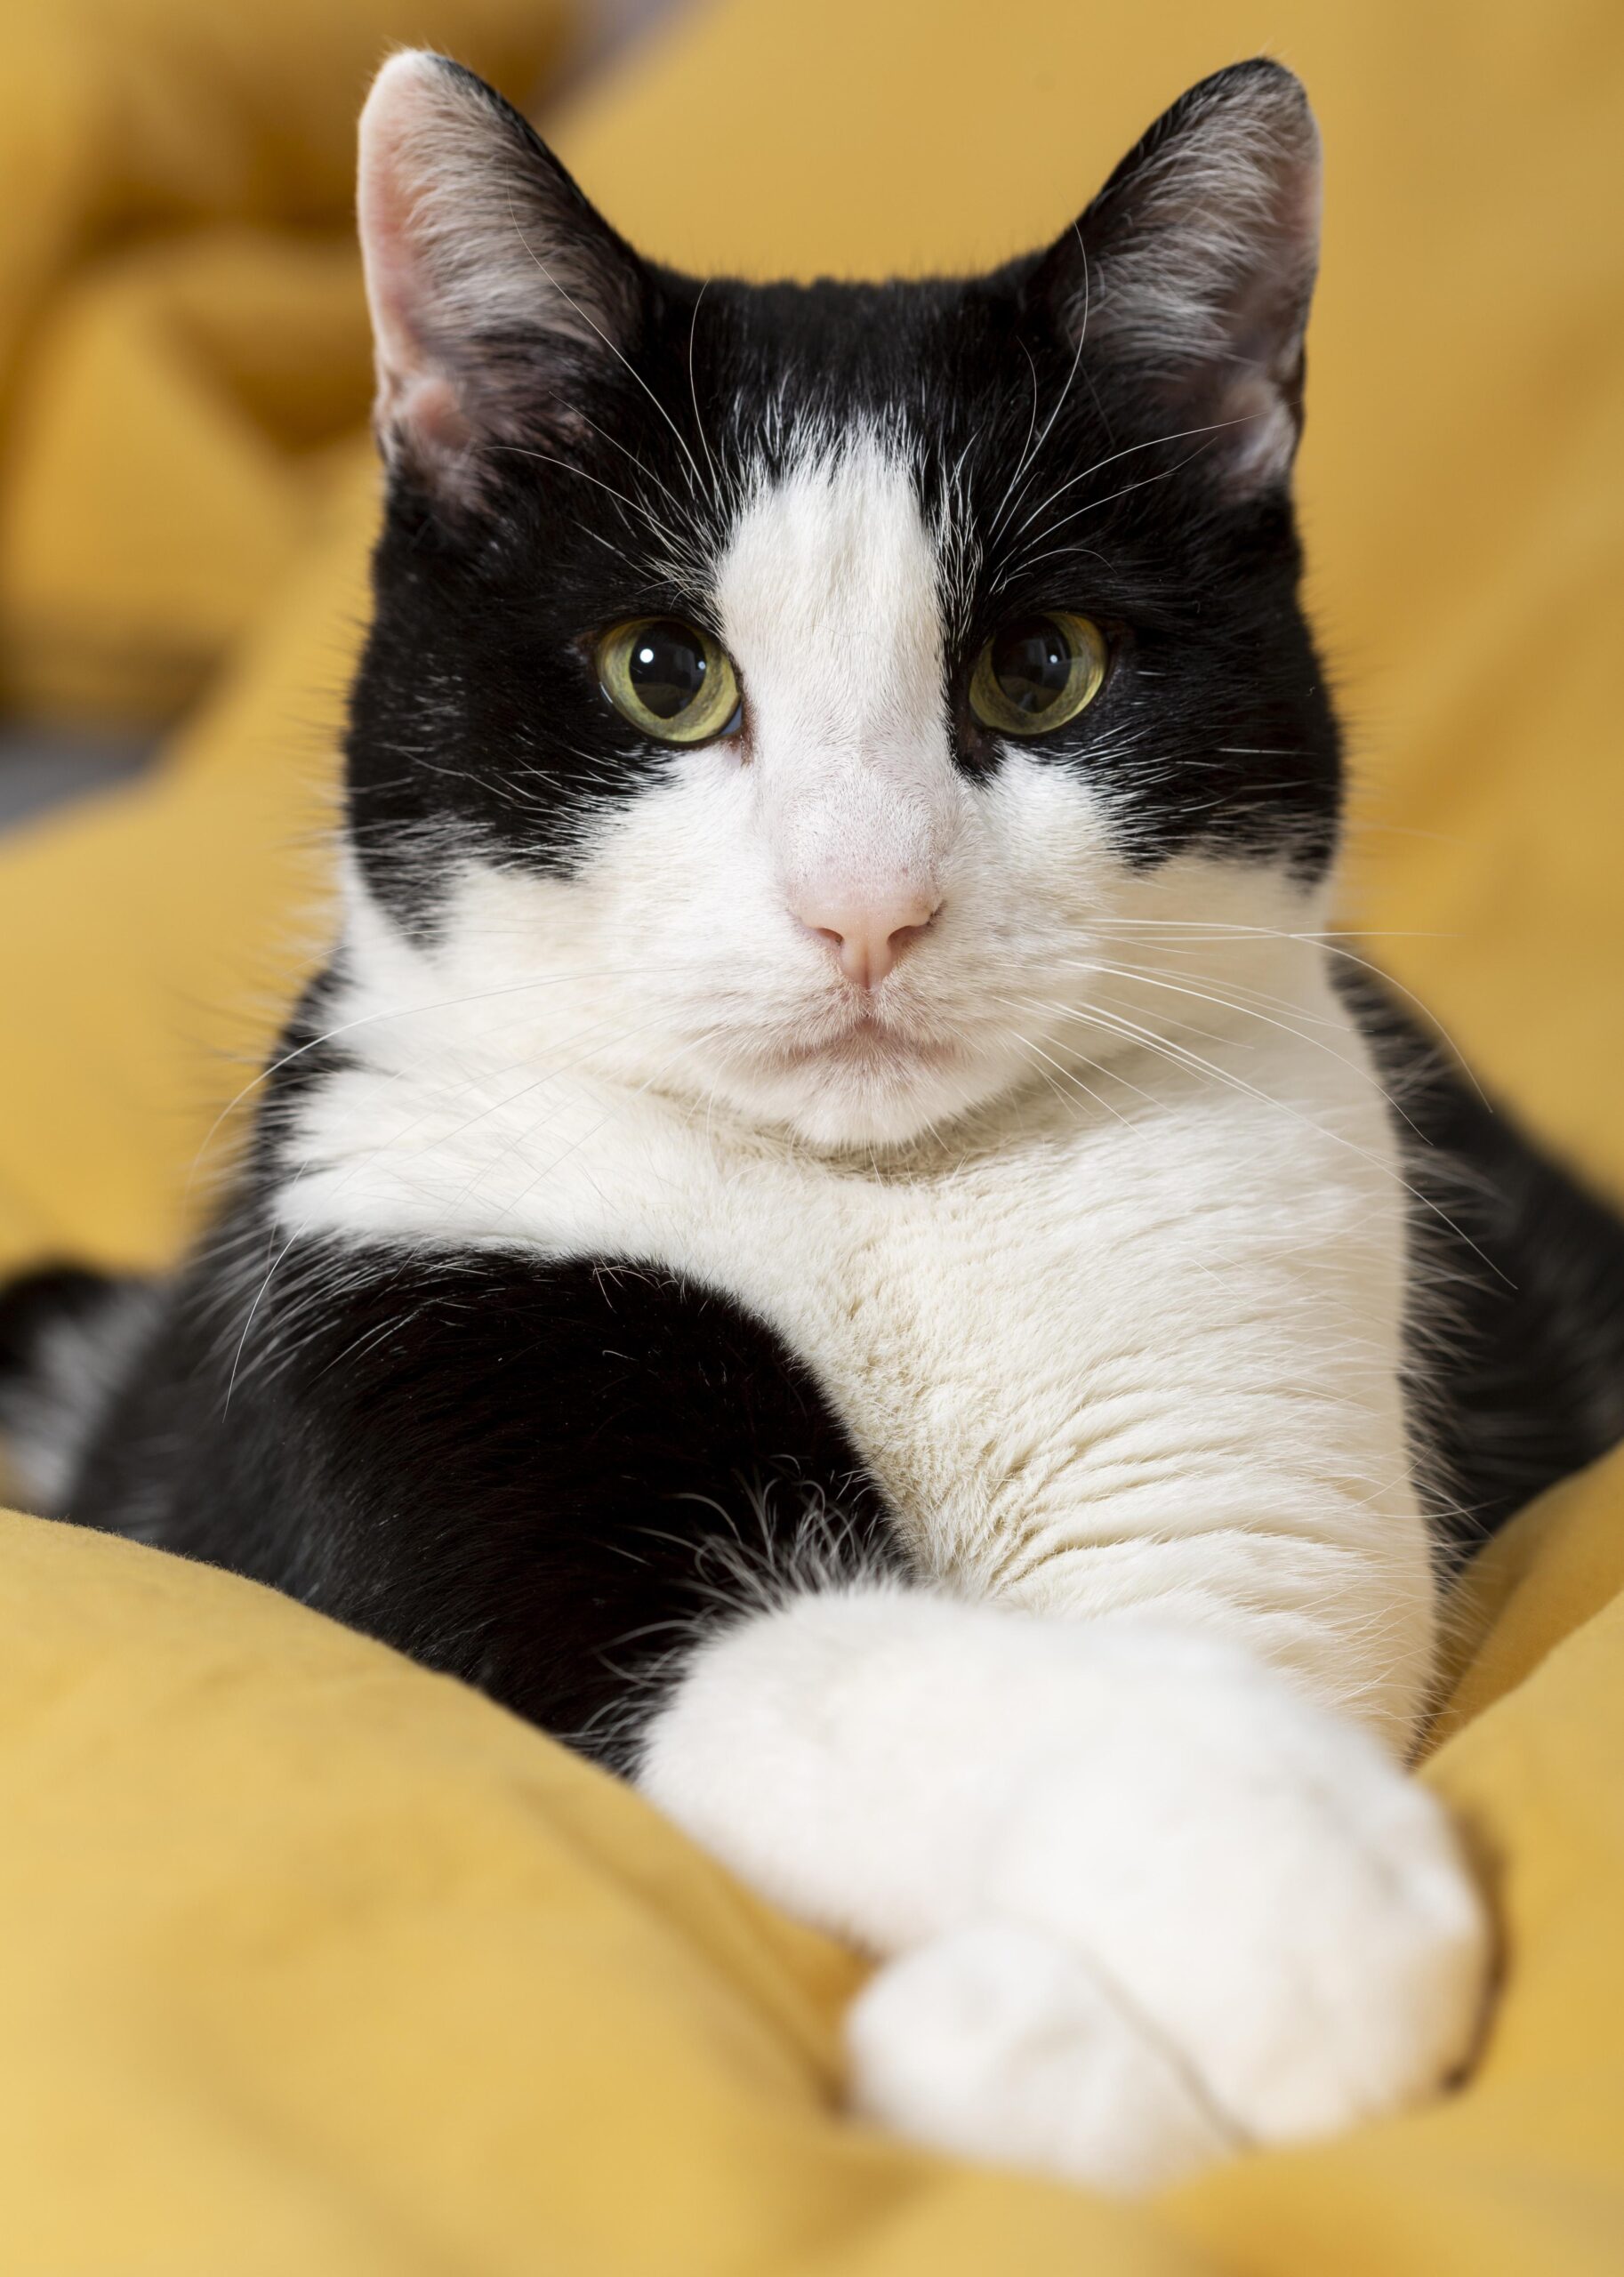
841, 697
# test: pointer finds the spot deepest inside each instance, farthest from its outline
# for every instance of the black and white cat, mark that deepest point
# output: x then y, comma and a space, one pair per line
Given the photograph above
830, 1233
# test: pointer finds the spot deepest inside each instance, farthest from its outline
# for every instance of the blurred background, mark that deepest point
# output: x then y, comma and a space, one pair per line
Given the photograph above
187, 492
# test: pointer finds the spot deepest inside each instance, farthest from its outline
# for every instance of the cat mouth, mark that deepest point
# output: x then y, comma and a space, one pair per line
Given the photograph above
867, 1045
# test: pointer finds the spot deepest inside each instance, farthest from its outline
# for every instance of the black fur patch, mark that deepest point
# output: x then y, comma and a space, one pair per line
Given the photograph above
543, 1479
1516, 1280
37, 1301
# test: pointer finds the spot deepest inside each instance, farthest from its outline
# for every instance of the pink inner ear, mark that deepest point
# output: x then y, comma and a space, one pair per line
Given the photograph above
397, 292
414, 397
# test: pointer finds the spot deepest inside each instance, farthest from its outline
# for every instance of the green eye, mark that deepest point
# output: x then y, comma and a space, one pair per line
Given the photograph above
669, 679
1038, 672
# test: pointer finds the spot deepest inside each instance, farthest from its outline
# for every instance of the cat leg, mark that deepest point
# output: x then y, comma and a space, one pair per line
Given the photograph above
1138, 1901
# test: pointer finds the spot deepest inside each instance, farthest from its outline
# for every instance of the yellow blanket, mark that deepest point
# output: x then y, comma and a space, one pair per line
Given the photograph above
312, 1962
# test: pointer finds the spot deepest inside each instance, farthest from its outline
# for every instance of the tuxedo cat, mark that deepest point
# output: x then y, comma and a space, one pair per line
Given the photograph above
837, 1230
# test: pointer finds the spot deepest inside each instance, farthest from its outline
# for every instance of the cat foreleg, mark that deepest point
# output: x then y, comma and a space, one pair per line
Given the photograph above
1138, 1901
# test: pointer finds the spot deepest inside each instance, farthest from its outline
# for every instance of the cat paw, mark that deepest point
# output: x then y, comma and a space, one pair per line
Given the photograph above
1228, 1928
998, 2043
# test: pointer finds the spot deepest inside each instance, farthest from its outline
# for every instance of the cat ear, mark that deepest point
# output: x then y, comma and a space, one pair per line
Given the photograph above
1194, 268
494, 284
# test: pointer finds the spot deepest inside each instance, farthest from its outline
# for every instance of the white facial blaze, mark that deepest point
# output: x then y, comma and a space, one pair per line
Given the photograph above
828, 599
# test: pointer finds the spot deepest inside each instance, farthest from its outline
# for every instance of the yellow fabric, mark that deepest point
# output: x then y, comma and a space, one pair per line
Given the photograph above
312, 1962
179, 327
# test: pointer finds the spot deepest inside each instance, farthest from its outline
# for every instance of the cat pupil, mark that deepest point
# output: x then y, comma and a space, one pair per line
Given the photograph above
1031, 663
667, 668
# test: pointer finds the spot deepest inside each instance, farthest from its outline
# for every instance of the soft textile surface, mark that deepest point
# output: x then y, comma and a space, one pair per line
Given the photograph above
308, 1961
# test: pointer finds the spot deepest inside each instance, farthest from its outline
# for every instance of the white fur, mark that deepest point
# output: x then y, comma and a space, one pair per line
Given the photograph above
828, 596
1152, 1903
1109, 1302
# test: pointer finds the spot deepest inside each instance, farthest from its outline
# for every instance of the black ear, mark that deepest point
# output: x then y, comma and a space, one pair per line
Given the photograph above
1194, 268
494, 284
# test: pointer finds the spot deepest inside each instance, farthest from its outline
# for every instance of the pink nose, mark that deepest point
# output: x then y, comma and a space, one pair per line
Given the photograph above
871, 932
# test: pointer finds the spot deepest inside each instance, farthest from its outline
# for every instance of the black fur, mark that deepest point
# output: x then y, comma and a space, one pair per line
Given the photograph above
37, 1301
1517, 1329
540, 1479
1537, 1390
1215, 724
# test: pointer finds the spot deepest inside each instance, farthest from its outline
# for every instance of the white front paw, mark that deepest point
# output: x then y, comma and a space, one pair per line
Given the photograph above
1225, 1918
998, 2042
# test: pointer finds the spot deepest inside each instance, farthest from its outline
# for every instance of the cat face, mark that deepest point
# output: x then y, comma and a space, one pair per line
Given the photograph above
850, 700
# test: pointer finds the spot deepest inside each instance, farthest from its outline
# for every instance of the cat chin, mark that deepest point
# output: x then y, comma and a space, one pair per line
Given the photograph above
834, 1104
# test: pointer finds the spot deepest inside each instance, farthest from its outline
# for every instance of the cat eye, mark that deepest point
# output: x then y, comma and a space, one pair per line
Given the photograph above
673, 682
1038, 672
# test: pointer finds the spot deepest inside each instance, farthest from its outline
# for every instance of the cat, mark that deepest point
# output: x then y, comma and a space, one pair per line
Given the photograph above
837, 1231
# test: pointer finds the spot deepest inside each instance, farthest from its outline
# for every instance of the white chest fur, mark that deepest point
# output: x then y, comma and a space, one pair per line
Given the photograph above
1138, 1345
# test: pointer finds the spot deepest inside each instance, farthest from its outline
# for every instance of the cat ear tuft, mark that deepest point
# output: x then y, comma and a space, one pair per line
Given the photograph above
494, 284
1195, 267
